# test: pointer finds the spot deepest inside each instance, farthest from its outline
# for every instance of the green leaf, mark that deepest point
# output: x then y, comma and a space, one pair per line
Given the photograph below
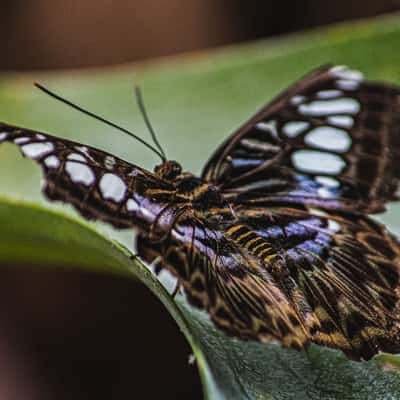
194, 102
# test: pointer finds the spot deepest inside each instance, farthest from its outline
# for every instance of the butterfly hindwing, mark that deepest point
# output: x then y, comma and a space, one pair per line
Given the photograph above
218, 277
99, 185
340, 273
332, 141
291, 276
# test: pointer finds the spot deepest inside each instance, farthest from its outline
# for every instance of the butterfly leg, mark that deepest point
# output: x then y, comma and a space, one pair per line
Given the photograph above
176, 289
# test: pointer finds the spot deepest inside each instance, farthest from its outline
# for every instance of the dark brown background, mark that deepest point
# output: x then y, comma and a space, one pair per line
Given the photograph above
74, 33
82, 336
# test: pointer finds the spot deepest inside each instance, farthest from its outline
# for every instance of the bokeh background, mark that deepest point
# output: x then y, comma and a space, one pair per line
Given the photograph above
43, 34
83, 336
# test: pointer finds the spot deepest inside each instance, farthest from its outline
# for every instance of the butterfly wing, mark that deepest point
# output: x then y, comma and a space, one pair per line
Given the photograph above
271, 273
241, 299
340, 273
291, 276
99, 185
332, 140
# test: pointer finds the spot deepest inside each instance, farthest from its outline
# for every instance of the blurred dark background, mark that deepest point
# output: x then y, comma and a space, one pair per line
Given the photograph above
36, 34
84, 336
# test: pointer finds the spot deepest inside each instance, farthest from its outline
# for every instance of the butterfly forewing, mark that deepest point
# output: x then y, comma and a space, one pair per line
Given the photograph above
332, 141
99, 185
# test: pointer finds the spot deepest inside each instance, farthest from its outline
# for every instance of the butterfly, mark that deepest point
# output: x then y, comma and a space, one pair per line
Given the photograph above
273, 240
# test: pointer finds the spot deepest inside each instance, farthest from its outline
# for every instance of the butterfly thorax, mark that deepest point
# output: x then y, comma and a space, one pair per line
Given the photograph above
203, 197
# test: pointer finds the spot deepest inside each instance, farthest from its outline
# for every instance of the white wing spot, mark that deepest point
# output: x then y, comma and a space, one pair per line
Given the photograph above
329, 94
80, 173
109, 162
337, 69
39, 136
296, 100
343, 72
325, 193
82, 149
85, 151
329, 138
22, 140
52, 162
34, 150
333, 226
344, 121
317, 162
347, 84
295, 128
327, 181
269, 126
328, 107
3, 136
132, 205
76, 157
112, 187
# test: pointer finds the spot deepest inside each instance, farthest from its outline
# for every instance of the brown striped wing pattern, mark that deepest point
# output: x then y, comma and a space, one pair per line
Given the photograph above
274, 240
330, 143
291, 276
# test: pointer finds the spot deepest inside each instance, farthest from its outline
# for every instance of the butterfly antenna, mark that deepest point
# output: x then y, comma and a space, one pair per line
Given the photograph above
107, 122
142, 108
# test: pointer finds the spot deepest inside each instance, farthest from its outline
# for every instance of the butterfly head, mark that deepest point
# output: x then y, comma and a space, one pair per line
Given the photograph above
168, 170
